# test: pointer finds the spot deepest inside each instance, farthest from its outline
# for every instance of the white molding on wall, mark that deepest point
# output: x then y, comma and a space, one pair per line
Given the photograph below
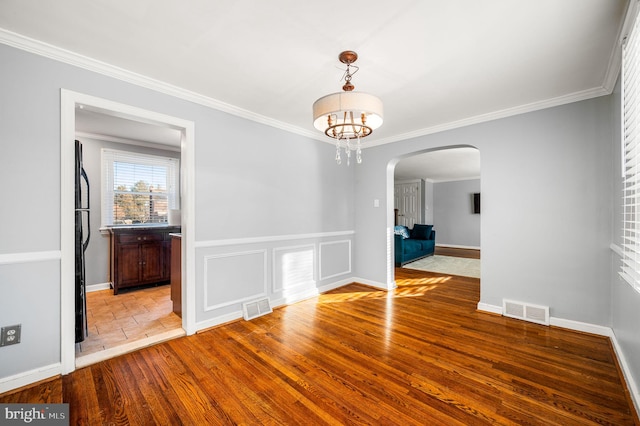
321, 245
269, 239
382, 286
242, 299
291, 249
495, 115
28, 257
66, 56
56, 53
97, 287
218, 320
598, 330
29, 377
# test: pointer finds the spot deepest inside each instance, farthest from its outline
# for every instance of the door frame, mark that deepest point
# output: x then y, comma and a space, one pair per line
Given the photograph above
69, 101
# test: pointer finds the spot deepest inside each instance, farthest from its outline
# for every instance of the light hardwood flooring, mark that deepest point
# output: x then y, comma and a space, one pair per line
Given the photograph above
128, 317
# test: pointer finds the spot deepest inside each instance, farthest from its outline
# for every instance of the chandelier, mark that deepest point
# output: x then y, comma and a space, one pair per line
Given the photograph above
348, 116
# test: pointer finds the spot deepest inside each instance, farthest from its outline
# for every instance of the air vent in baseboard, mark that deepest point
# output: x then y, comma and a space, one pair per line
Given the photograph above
256, 308
526, 311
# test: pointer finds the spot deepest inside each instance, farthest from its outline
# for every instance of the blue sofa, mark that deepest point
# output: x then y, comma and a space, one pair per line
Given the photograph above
413, 244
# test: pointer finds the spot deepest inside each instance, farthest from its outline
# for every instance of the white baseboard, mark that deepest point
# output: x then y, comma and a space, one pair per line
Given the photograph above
98, 287
598, 330
492, 309
376, 284
29, 377
223, 319
626, 371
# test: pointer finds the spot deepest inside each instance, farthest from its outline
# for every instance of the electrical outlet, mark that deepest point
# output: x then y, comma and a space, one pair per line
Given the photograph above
10, 335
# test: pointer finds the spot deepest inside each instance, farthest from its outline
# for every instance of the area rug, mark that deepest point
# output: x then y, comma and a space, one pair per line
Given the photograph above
447, 265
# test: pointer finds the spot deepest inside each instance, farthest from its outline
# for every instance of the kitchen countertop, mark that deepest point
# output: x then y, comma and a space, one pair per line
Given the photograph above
138, 227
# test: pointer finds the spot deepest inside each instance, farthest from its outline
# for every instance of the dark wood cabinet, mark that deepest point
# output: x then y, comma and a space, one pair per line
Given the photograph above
140, 256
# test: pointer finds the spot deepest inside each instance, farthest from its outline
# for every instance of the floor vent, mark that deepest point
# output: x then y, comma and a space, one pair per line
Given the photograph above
256, 308
525, 311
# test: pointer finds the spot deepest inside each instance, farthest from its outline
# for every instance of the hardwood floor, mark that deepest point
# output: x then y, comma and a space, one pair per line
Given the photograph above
421, 354
457, 252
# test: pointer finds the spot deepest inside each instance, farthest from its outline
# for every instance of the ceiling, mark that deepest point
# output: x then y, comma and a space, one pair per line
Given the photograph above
436, 65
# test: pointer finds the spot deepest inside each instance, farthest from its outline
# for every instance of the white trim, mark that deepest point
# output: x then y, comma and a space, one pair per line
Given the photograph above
34, 256
205, 280
47, 50
68, 102
377, 284
97, 287
126, 141
66, 56
581, 326
349, 269
223, 319
291, 249
29, 377
491, 309
269, 239
482, 118
616, 249
308, 293
626, 371
337, 284
598, 330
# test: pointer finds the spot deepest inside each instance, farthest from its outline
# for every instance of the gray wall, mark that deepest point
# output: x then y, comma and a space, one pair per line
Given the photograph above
546, 207
251, 181
453, 217
97, 255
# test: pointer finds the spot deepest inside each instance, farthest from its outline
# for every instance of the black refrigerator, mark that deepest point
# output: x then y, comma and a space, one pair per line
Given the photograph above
82, 235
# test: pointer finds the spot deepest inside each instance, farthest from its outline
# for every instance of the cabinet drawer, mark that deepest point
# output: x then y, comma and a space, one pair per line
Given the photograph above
138, 238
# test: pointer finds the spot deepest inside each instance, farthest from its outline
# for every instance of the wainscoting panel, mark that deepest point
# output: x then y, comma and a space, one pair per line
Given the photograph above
233, 278
335, 259
294, 268
284, 268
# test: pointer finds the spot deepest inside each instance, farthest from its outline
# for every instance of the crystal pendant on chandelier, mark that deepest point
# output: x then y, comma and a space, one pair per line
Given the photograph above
348, 115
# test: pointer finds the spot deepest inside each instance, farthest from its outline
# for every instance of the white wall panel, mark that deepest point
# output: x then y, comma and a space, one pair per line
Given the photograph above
294, 268
234, 278
335, 259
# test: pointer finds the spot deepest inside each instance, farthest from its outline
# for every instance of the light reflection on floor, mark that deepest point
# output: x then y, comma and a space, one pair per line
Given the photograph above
409, 287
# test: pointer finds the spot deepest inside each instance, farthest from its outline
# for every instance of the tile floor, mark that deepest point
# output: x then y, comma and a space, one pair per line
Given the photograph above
132, 315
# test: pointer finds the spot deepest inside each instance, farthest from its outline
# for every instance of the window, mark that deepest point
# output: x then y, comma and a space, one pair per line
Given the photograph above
631, 159
138, 188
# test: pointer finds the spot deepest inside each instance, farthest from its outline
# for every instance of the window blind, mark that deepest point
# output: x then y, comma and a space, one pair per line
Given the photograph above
630, 270
138, 188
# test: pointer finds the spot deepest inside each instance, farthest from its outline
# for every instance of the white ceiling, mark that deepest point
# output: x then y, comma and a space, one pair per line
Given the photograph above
435, 64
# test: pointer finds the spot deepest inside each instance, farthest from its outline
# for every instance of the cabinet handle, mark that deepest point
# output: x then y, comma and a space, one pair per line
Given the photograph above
138, 238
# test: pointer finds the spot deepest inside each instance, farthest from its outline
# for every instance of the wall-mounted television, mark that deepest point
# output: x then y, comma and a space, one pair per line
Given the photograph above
476, 203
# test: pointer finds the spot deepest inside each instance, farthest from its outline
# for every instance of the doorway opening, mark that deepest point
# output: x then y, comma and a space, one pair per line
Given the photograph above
438, 188
100, 122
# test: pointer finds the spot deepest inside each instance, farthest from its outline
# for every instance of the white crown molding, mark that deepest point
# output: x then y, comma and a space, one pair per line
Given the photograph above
28, 257
66, 56
534, 106
47, 50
